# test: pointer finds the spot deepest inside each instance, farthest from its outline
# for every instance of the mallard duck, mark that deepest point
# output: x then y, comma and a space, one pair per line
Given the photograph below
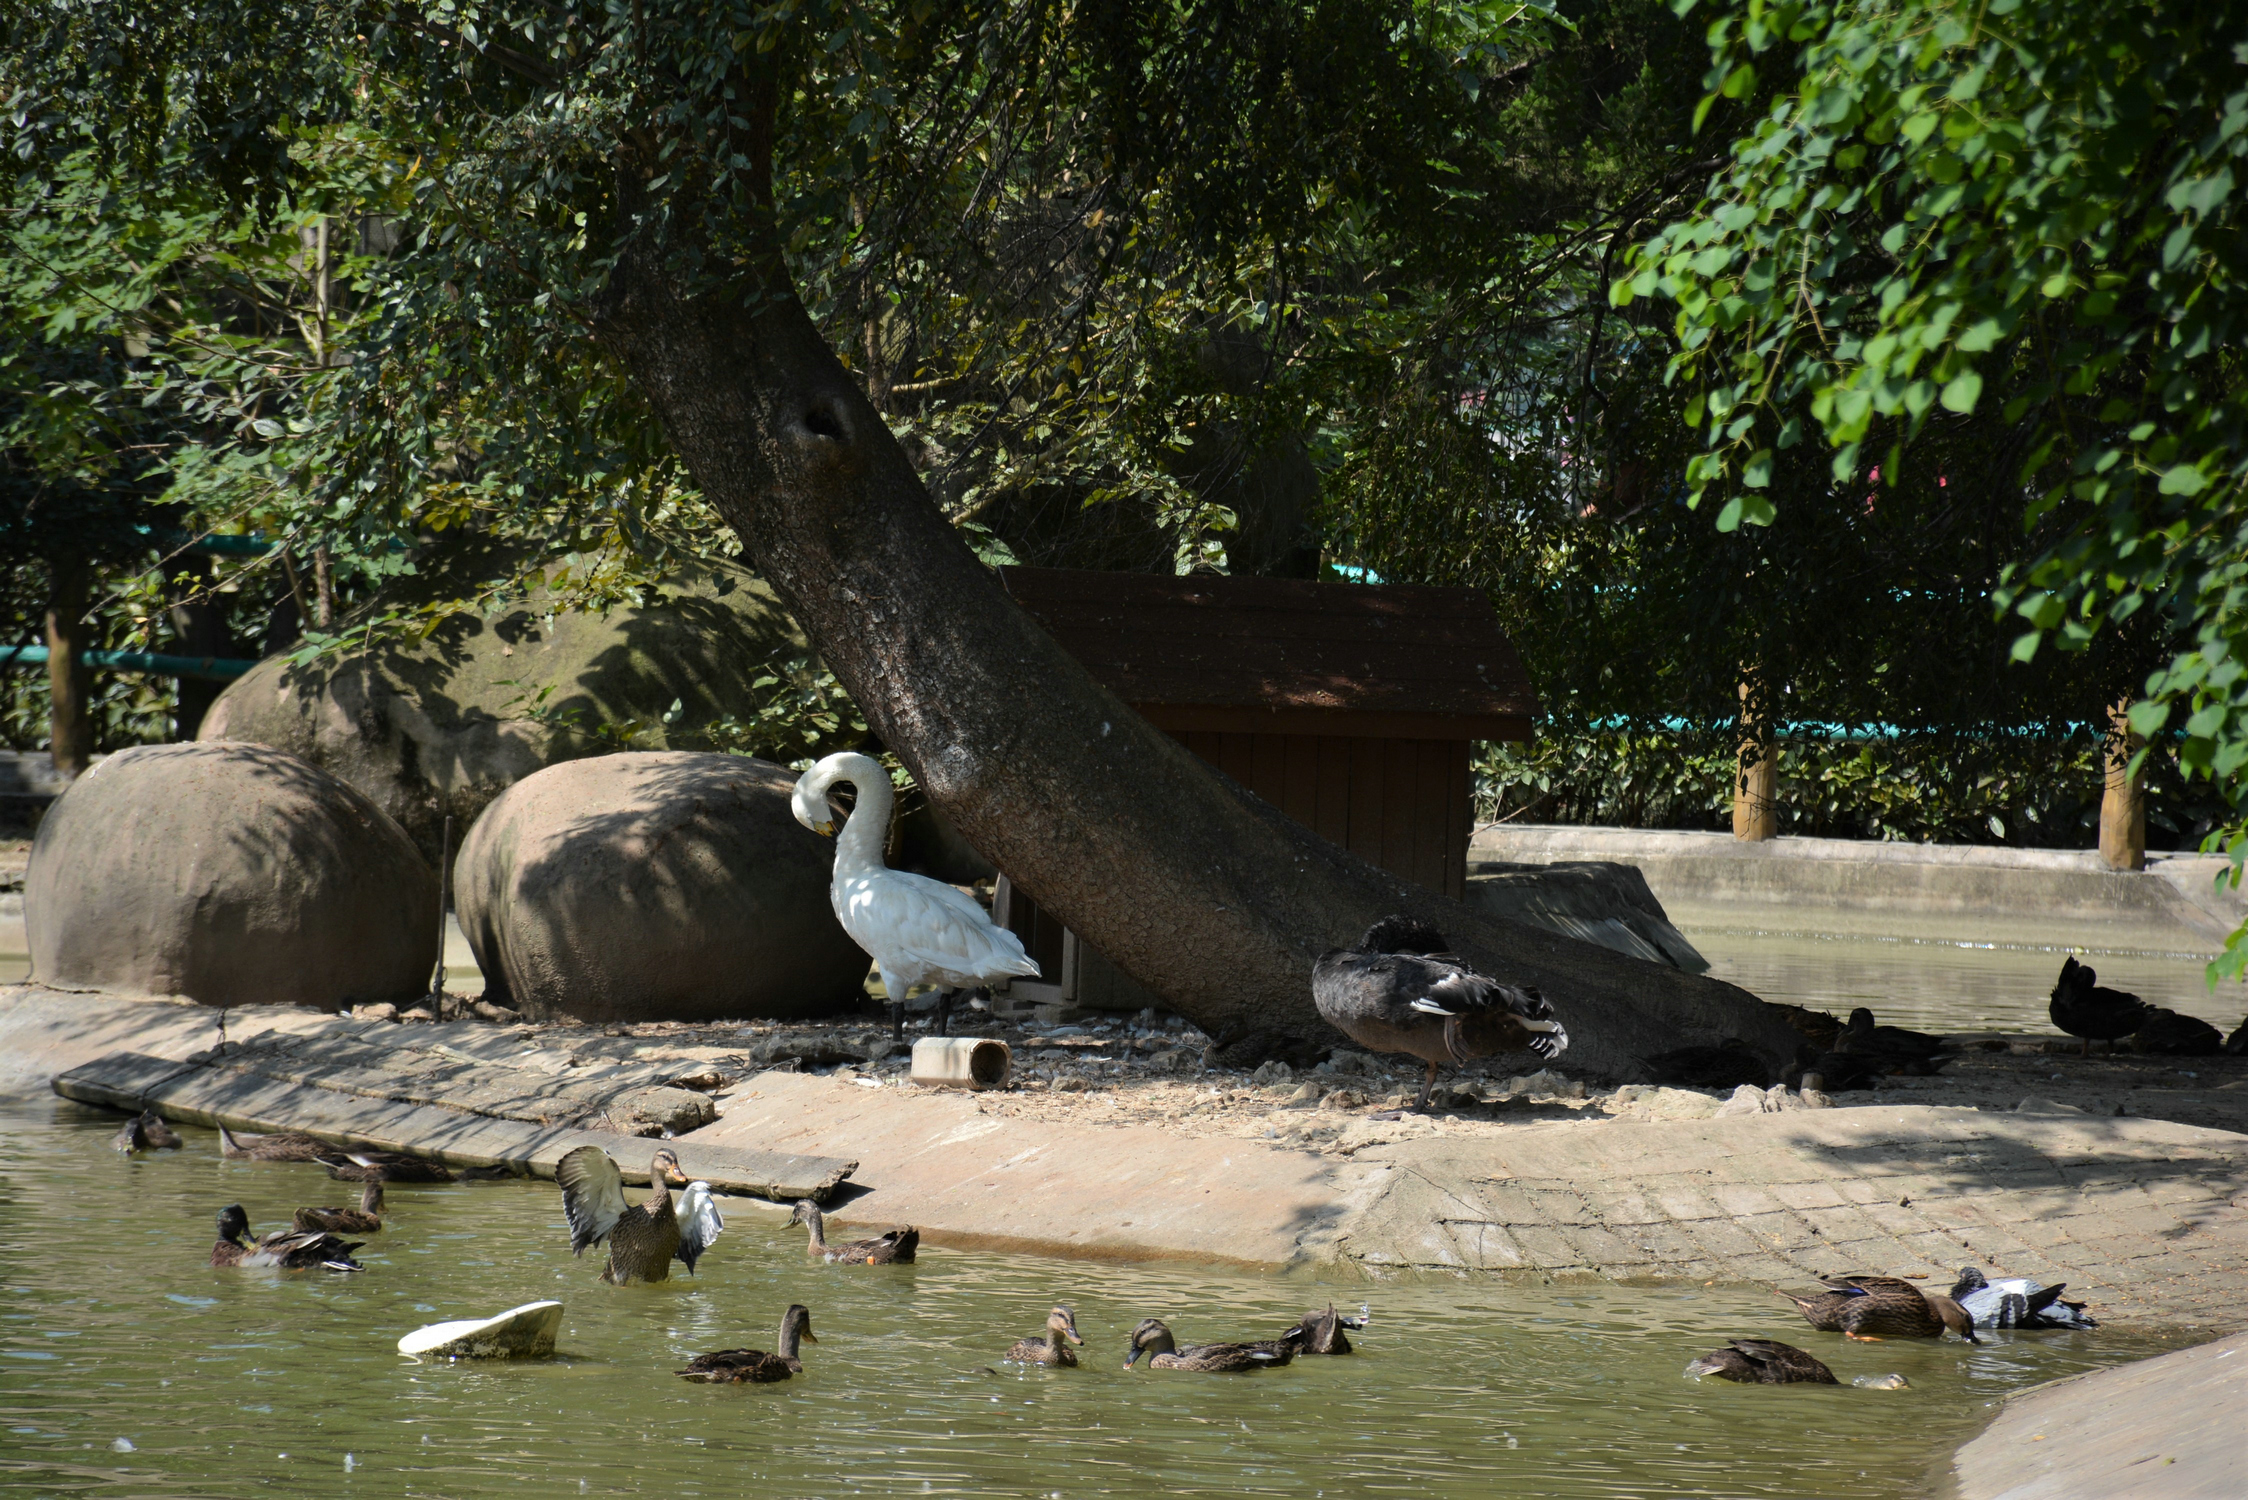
2166, 1033
643, 1238
1822, 1310
1053, 1349
1878, 1307
1322, 1332
288, 1250
755, 1366
1400, 991
365, 1219
1729, 1064
2083, 1007
1153, 1338
918, 930
2016, 1302
281, 1145
382, 1166
145, 1131
1763, 1362
1862, 1038
896, 1247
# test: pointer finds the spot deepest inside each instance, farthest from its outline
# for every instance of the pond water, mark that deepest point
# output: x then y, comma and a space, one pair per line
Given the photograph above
129, 1367
1946, 986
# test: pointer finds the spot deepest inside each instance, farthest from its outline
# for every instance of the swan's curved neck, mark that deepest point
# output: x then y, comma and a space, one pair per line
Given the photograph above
858, 846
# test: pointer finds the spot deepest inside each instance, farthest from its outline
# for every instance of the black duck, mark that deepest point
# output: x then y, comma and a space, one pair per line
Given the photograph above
287, 1250
2081, 1006
643, 1238
145, 1131
1153, 1338
1763, 1362
2168, 1034
1053, 1349
755, 1366
1727, 1065
1862, 1038
382, 1166
893, 1248
1879, 1307
1836, 1072
1400, 991
281, 1145
365, 1219
2016, 1302
1322, 1332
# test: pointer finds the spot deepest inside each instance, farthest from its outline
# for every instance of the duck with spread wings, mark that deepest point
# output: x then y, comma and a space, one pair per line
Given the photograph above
643, 1238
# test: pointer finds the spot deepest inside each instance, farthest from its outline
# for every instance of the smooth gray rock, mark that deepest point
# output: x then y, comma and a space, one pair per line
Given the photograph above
654, 885
441, 726
1596, 901
230, 874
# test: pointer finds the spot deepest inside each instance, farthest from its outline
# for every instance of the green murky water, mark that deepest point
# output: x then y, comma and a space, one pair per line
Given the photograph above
129, 1368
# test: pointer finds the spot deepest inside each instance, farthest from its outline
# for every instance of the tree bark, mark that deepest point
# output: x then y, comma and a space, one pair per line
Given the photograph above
1756, 775
70, 731
199, 621
1199, 890
2123, 801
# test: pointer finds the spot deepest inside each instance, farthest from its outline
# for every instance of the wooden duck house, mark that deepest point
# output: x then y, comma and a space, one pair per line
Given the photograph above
1350, 707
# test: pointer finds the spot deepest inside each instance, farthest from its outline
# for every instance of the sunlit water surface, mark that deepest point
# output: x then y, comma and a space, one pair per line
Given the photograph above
130, 1368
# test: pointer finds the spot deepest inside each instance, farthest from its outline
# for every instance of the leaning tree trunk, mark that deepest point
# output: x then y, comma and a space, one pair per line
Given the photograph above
1196, 888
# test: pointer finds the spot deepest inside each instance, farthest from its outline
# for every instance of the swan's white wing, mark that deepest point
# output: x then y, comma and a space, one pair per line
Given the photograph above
699, 1223
922, 928
592, 1195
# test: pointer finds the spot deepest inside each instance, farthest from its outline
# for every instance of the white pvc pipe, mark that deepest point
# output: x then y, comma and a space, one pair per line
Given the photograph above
962, 1062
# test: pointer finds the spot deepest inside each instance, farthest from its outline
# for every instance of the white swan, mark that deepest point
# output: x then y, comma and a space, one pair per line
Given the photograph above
920, 931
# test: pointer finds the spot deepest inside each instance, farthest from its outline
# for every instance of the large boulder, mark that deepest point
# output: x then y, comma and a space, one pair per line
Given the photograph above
440, 727
654, 886
231, 874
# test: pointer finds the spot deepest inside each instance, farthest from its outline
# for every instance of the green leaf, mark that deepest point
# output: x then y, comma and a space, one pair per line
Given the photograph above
1962, 391
2183, 479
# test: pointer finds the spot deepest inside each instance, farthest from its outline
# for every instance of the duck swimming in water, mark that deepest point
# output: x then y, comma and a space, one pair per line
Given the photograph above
281, 1145
1322, 1332
382, 1166
755, 1366
1153, 1338
1053, 1349
2016, 1302
1399, 990
1887, 1307
365, 1219
287, 1250
894, 1248
1763, 1362
145, 1131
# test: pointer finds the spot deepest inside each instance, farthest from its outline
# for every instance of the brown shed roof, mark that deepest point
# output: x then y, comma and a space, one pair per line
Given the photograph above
1283, 656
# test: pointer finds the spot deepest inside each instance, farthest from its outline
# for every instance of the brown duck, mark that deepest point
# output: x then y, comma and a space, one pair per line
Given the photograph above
365, 1219
1153, 1338
755, 1366
288, 1250
1886, 1307
382, 1166
1763, 1362
281, 1145
1053, 1349
643, 1238
145, 1131
1322, 1332
896, 1247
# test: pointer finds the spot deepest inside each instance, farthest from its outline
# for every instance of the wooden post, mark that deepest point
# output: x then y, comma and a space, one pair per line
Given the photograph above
1756, 777
70, 732
2123, 806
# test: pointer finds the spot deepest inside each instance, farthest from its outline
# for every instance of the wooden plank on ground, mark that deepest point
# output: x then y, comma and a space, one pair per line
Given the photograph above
213, 1094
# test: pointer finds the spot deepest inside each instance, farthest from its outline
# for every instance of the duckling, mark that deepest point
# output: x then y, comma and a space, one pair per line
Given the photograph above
281, 1145
1400, 991
1153, 1338
1053, 1349
755, 1366
894, 1248
2016, 1302
145, 1131
365, 1219
1763, 1362
1322, 1332
287, 1249
643, 1238
382, 1166
1877, 1307
2082, 1007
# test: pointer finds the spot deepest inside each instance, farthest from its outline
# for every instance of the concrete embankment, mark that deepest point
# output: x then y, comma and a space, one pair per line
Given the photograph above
2169, 1428
1943, 892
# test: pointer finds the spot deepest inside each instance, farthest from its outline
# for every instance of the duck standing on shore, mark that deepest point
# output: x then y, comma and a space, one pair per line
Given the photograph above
1053, 1349
2081, 1006
755, 1366
643, 1238
1399, 990
286, 1250
894, 1248
918, 930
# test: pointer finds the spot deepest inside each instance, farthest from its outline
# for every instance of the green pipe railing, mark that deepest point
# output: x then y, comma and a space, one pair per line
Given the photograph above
217, 668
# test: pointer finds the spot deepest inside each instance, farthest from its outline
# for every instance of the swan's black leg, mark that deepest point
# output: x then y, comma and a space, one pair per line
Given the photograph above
897, 1019
943, 1022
